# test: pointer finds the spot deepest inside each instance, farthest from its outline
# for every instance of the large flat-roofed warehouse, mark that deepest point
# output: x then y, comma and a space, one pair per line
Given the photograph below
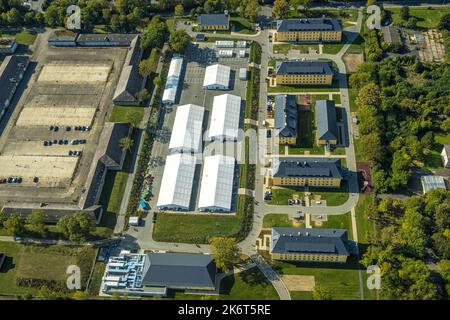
157, 273
12, 70
130, 81
173, 80
58, 145
314, 172
216, 190
177, 182
286, 119
308, 30
310, 72
327, 131
213, 21
217, 77
311, 244
225, 116
187, 129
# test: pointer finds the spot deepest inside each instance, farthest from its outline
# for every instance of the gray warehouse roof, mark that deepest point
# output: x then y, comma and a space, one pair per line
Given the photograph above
286, 116
215, 19
314, 24
188, 270
307, 167
304, 67
123, 39
326, 120
310, 240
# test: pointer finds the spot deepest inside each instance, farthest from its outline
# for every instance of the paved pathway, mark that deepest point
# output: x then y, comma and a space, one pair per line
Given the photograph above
272, 276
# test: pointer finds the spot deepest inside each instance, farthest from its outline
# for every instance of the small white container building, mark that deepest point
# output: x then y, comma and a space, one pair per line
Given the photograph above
243, 74
226, 53
134, 221
224, 44
241, 44
242, 53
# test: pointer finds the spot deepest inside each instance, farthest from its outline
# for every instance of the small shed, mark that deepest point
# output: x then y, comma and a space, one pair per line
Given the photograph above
243, 73
134, 221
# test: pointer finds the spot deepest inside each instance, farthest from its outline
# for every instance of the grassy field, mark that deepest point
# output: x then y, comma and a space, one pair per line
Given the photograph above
284, 48
26, 37
276, 220
192, 228
119, 113
44, 263
340, 221
433, 158
334, 197
341, 280
242, 25
427, 18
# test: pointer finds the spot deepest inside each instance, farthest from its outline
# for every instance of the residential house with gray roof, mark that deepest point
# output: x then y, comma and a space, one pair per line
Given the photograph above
327, 130
309, 244
286, 119
304, 72
308, 30
213, 21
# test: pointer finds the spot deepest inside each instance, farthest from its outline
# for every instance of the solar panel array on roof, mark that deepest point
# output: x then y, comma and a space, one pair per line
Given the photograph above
177, 181
217, 183
224, 124
187, 129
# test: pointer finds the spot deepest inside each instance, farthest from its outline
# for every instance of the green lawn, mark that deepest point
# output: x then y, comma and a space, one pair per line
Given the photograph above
341, 280
357, 46
340, 221
334, 48
428, 18
433, 158
44, 263
119, 113
333, 196
276, 220
242, 25
26, 37
198, 228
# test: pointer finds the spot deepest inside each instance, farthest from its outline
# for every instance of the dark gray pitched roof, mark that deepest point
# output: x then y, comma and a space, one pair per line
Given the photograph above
190, 270
63, 35
11, 70
130, 80
304, 67
390, 34
314, 24
326, 120
286, 116
311, 240
213, 19
123, 39
307, 167
109, 142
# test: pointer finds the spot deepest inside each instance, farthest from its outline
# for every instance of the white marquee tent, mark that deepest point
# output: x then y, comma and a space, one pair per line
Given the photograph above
217, 76
187, 129
224, 124
173, 80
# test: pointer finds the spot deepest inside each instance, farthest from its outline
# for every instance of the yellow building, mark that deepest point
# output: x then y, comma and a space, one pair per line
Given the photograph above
309, 245
286, 120
295, 72
301, 172
207, 22
308, 30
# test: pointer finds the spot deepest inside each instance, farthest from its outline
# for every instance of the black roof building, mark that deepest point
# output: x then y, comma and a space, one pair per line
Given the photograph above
314, 24
304, 67
286, 116
310, 241
180, 270
293, 167
113, 39
12, 70
326, 120
213, 19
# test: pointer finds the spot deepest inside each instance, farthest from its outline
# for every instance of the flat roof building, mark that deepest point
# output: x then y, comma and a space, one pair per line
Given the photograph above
309, 244
225, 116
187, 129
217, 76
176, 184
106, 40
12, 71
213, 21
317, 172
156, 273
286, 119
432, 183
216, 190
173, 80
327, 131
308, 72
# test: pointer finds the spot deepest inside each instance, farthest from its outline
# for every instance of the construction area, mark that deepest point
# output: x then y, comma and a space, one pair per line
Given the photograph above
49, 146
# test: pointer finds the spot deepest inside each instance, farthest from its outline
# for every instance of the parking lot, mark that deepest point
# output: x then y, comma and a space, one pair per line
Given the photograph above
198, 58
53, 132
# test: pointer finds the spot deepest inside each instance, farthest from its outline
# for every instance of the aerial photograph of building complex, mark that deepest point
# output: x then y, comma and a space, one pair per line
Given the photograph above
224, 150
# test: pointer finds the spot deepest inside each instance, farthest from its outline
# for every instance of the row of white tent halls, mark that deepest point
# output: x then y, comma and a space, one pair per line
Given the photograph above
216, 188
217, 180
173, 80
